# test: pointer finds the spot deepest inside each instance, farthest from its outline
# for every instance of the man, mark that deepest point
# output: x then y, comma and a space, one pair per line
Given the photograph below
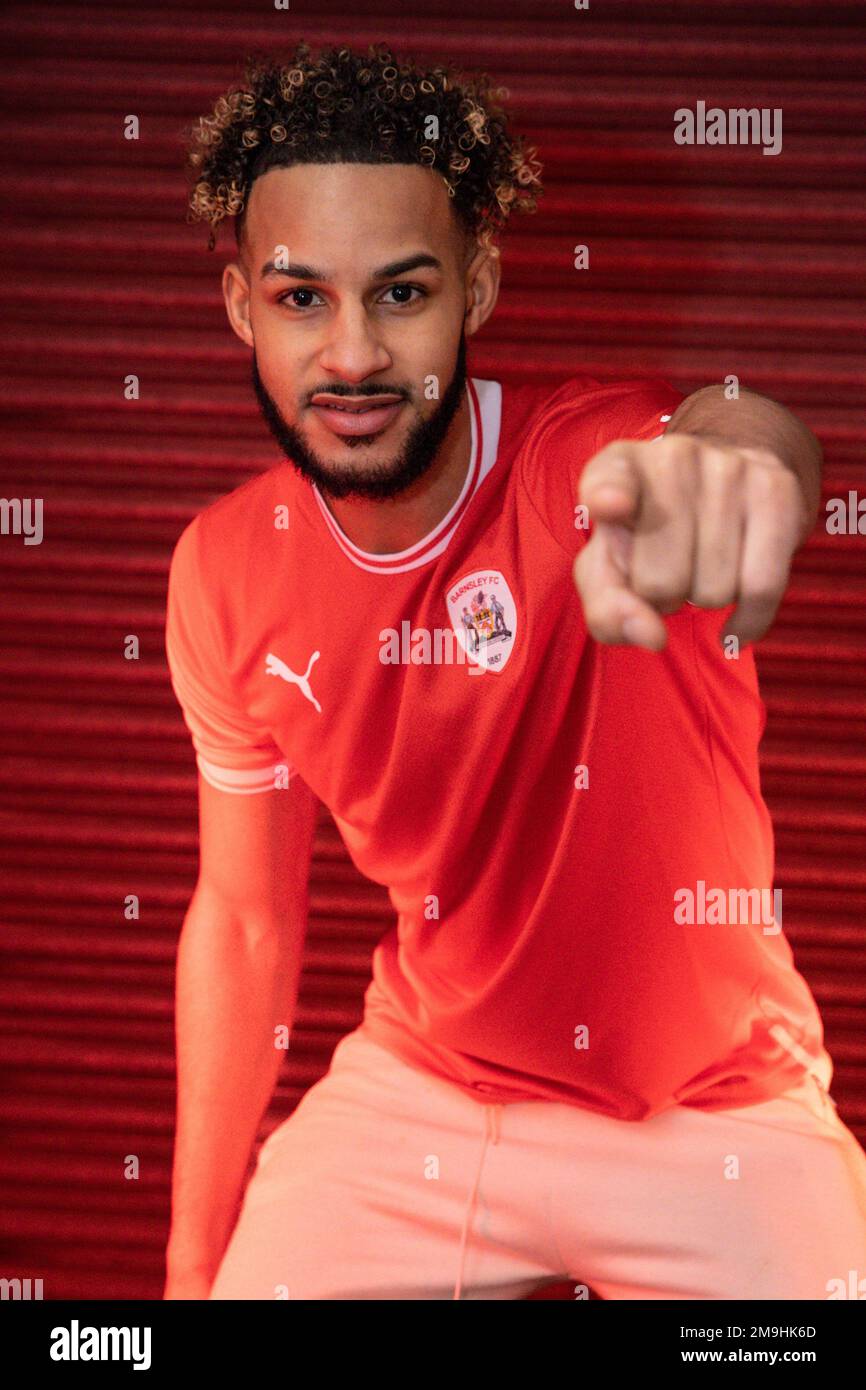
582, 1056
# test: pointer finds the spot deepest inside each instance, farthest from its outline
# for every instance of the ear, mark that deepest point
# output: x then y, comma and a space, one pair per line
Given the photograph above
482, 287
236, 293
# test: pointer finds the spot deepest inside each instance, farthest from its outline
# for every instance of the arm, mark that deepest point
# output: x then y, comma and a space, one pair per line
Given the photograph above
238, 967
710, 513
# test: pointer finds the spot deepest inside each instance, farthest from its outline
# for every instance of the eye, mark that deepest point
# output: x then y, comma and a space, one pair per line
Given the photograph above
291, 294
404, 290
303, 298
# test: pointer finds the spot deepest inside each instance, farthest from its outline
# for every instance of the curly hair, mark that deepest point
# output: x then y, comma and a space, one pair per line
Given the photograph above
346, 108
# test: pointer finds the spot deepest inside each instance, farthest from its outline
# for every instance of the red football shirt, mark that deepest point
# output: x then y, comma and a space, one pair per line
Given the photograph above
540, 806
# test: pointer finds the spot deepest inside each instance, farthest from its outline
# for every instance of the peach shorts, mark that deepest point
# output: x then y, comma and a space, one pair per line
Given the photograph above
389, 1182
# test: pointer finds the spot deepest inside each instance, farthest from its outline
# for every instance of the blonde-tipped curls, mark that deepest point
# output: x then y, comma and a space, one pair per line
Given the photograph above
368, 108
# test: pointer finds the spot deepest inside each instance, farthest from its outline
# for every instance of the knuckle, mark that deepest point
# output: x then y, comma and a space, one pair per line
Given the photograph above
772, 484
660, 590
720, 466
765, 457
711, 595
666, 462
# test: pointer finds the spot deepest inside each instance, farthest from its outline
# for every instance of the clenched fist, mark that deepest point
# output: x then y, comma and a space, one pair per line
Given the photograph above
683, 519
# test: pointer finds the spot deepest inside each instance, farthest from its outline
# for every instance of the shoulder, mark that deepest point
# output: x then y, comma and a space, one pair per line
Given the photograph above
216, 546
586, 414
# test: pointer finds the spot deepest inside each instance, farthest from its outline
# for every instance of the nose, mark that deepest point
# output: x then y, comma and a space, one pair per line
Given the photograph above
353, 351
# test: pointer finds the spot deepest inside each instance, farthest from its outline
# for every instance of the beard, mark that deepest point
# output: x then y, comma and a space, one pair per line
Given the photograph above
380, 480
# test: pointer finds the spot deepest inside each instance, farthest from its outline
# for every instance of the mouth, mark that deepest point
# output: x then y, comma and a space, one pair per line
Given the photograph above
356, 415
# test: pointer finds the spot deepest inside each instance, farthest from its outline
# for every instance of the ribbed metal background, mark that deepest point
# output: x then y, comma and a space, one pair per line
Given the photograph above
704, 261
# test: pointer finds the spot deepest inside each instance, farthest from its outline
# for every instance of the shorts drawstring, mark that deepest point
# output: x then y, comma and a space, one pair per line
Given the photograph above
492, 1130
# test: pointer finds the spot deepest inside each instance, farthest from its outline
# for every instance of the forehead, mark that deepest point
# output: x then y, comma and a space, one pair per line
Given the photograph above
349, 209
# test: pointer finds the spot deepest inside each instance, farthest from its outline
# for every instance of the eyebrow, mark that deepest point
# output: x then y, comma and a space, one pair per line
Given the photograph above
297, 271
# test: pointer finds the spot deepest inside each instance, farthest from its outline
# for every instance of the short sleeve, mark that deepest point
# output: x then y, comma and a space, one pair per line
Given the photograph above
642, 410
232, 752
577, 421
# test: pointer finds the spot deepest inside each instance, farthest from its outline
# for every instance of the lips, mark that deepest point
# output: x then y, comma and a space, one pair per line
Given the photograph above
355, 415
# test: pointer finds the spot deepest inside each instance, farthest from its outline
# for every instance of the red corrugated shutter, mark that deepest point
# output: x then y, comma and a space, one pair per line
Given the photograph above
704, 262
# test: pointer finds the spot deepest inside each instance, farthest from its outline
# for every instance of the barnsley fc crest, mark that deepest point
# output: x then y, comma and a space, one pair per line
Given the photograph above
484, 616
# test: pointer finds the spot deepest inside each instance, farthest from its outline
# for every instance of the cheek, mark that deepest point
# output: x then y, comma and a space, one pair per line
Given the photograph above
283, 359
432, 350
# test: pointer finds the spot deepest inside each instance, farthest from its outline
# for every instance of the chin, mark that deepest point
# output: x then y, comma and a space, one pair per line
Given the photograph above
376, 447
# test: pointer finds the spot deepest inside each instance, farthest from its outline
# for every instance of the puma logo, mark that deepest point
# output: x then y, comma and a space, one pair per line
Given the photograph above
275, 667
